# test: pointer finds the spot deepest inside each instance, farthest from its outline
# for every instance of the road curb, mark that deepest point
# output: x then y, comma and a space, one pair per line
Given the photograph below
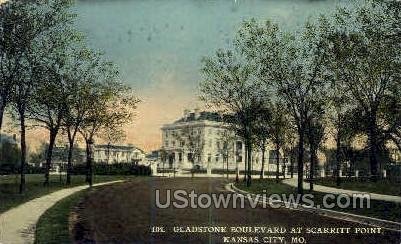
370, 221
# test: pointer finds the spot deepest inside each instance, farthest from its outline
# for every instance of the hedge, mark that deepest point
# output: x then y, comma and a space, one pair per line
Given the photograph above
113, 169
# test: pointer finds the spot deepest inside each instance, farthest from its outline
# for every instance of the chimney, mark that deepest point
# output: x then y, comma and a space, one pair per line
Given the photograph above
197, 113
186, 114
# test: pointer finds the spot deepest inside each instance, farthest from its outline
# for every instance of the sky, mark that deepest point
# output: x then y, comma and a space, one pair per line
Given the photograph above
158, 46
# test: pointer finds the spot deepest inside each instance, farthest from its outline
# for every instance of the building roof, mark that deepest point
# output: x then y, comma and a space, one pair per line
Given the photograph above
119, 147
209, 116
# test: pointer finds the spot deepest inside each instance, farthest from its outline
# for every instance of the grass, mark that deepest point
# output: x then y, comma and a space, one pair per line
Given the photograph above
381, 187
378, 209
9, 196
53, 225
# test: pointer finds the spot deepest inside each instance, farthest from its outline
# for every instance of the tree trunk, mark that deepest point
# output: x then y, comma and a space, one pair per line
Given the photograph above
249, 156
227, 167
301, 161
224, 162
49, 154
372, 137
89, 157
292, 163
23, 151
338, 160
2, 108
69, 161
263, 163
71, 139
246, 163
108, 152
277, 162
236, 168
313, 160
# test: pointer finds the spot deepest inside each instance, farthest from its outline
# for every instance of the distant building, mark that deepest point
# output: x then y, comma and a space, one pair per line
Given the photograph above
153, 156
117, 154
60, 155
202, 140
110, 154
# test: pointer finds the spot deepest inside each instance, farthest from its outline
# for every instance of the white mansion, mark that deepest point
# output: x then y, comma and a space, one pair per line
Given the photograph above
110, 154
201, 140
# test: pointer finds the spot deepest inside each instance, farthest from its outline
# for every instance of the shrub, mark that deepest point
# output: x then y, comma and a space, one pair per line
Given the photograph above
113, 169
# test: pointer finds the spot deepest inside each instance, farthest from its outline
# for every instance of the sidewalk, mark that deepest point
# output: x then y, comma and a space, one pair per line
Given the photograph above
325, 189
17, 225
360, 219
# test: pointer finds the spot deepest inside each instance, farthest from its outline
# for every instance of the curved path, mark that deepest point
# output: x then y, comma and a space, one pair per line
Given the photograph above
17, 225
325, 189
125, 213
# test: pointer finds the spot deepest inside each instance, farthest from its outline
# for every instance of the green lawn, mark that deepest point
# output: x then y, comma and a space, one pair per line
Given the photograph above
9, 196
378, 209
53, 225
381, 187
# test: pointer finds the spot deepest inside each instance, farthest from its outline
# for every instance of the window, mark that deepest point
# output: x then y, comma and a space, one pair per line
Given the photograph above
190, 157
180, 157
217, 158
239, 146
209, 158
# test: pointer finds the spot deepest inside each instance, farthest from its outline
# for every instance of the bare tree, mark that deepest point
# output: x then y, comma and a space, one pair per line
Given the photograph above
55, 71
81, 94
230, 86
29, 24
114, 106
292, 66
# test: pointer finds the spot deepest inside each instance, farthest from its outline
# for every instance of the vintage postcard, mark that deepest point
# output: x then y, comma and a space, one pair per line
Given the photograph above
200, 121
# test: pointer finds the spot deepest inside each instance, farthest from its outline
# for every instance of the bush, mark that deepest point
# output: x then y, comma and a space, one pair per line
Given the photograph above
231, 171
9, 169
113, 169
161, 170
394, 172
